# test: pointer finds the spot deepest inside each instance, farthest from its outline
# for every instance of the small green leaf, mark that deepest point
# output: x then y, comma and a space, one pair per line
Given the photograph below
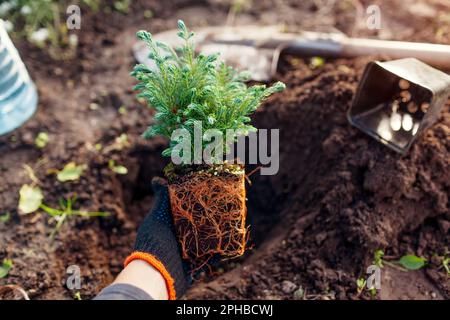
122, 110
299, 293
378, 258
117, 169
120, 169
70, 172
30, 199
148, 14
122, 5
5, 217
316, 62
412, 262
5, 267
445, 265
360, 283
41, 140
121, 142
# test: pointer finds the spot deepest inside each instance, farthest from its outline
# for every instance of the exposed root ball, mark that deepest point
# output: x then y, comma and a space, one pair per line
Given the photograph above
209, 214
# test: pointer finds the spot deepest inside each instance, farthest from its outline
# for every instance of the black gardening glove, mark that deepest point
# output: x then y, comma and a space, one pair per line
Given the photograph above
157, 245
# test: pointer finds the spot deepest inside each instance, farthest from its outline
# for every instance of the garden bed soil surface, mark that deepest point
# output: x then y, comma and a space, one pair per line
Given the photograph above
339, 195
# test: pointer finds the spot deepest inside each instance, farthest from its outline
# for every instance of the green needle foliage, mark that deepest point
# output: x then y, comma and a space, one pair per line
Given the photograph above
185, 87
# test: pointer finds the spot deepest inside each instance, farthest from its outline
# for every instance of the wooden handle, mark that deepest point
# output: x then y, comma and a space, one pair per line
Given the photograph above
434, 54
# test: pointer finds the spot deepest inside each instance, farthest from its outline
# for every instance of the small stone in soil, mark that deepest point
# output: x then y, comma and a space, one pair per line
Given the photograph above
288, 286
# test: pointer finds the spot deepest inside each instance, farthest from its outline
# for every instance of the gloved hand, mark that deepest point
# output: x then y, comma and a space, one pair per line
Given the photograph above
157, 245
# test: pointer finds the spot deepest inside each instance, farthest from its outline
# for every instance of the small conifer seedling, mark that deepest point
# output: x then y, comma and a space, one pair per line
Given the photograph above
186, 89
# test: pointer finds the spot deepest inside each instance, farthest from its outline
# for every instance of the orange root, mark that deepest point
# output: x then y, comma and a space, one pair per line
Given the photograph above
209, 213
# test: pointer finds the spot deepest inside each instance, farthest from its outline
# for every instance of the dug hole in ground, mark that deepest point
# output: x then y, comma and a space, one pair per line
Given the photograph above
338, 197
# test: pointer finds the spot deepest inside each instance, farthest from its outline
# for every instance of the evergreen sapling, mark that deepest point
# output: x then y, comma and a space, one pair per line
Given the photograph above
185, 88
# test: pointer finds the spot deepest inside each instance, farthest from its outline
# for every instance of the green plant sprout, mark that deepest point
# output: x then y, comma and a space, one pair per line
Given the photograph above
378, 258
185, 88
98, 146
120, 143
122, 6
66, 210
316, 62
300, 293
70, 172
5, 217
122, 110
117, 168
31, 200
445, 262
41, 140
6, 266
43, 23
405, 263
360, 285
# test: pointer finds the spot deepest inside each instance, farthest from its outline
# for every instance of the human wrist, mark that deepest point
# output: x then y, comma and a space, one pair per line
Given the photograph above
144, 276
156, 264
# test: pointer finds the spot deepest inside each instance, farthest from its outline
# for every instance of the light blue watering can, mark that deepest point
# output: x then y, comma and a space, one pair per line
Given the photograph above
18, 95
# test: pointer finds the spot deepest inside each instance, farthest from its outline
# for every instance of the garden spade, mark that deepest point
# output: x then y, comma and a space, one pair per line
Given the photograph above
258, 48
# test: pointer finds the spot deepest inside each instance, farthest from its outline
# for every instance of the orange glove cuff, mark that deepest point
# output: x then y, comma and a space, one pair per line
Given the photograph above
155, 263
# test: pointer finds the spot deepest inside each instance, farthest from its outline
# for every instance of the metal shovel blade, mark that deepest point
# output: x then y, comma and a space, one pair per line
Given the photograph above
397, 100
258, 61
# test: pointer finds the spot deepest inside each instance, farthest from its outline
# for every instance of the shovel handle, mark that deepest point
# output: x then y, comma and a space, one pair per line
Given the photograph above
434, 54
332, 45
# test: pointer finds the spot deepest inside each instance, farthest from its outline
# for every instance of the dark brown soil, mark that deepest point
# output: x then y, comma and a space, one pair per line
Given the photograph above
339, 195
